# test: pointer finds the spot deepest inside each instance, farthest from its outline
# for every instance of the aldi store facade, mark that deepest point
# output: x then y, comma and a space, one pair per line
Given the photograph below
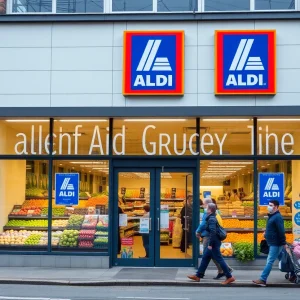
149, 110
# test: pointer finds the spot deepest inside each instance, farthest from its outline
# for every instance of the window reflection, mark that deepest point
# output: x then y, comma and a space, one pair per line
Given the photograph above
271, 4
77, 6
132, 5
177, 5
23, 6
226, 5
2, 7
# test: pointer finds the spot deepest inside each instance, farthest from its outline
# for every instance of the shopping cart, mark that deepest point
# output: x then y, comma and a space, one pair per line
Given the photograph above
294, 273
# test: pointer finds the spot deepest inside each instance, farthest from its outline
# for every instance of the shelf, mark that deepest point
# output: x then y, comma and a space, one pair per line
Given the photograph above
133, 218
164, 242
31, 228
12, 217
250, 230
171, 199
130, 227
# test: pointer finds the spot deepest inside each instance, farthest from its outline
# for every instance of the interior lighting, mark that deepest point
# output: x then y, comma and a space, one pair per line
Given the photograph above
278, 120
154, 120
231, 162
27, 121
83, 120
225, 120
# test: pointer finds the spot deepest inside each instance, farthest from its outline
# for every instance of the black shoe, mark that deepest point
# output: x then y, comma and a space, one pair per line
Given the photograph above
219, 276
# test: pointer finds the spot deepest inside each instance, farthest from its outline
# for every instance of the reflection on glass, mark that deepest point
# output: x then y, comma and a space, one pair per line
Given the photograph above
134, 215
79, 6
274, 4
24, 6
132, 5
177, 5
230, 184
176, 215
2, 7
226, 5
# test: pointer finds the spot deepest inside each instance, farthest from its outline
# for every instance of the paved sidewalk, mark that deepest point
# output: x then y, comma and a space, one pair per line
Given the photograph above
129, 276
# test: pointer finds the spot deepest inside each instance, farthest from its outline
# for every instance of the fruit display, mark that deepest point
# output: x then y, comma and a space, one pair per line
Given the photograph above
27, 223
56, 211
86, 235
104, 233
262, 223
35, 192
59, 223
33, 202
33, 239
102, 224
226, 249
29, 210
85, 244
80, 211
69, 238
164, 237
14, 238
99, 242
236, 223
75, 221
98, 200
90, 221
288, 224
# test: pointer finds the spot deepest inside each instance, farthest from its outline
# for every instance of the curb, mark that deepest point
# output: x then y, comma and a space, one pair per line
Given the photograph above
140, 283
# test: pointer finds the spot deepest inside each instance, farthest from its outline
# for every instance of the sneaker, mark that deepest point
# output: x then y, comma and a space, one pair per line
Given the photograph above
220, 275
228, 280
260, 283
194, 278
231, 270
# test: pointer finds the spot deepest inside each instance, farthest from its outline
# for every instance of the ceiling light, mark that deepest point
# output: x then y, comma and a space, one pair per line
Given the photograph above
279, 120
210, 186
83, 120
154, 120
225, 120
231, 162
88, 162
222, 166
27, 121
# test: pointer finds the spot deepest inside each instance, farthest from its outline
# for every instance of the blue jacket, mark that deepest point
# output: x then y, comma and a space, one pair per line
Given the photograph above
201, 228
275, 233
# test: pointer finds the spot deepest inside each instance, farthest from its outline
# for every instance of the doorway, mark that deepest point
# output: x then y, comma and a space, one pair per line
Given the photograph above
154, 217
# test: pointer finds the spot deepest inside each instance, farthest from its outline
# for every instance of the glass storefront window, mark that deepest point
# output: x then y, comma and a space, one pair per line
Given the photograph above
226, 136
79, 6
24, 136
274, 4
154, 137
230, 185
24, 202
132, 5
176, 5
226, 5
32, 6
83, 227
81, 137
2, 7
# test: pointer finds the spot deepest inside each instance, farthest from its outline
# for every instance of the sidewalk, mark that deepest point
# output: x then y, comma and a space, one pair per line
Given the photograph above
129, 276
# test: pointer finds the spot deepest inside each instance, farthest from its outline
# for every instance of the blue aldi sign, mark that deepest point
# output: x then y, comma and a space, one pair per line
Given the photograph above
271, 187
67, 189
153, 63
245, 62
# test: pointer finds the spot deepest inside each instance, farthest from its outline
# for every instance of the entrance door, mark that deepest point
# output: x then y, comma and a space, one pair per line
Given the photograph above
155, 217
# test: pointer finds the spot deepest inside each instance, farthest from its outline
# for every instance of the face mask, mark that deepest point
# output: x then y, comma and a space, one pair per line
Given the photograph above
270, 209
205, 210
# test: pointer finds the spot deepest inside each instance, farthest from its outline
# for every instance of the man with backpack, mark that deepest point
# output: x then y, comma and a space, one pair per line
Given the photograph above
216, 235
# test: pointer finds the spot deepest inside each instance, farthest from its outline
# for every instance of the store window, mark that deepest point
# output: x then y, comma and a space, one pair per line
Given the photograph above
32, 6
226, 137
82, 227
81, 137
272, 187
79, 6
132, 5
155, 137
24, 136
176, 5
230, 185
2, 7
226, 5
274, 4
24, 205
278, 136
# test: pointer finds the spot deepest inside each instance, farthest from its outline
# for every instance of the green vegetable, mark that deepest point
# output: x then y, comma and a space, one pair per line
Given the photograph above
244, 251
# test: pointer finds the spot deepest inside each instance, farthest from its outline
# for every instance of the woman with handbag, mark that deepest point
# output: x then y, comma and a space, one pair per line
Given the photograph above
213, 249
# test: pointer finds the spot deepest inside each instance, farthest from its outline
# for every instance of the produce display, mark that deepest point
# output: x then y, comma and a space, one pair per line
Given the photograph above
27, 223
98, 200
69, 238
56, 211
87, 235
35, 192
59, 223
33, 239
85, 244
35, 202
11, 237
101, 242
164, 237
29, 210
90, 221
75, 221
236, 223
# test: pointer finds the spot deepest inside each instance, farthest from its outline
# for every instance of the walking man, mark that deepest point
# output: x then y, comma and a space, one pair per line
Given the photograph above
275, 237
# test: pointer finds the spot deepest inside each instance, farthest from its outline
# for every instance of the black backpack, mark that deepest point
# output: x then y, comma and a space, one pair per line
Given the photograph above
221, 232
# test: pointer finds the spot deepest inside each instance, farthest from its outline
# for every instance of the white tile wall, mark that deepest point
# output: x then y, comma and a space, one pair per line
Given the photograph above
80, 64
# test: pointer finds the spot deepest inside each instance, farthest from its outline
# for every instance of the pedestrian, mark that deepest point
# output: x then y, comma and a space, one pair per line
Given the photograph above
186, 216
213, 249
202, 233
275, 237
145, 236
120, 211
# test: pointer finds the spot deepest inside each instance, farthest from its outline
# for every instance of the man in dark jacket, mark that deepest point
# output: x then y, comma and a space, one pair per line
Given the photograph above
275, 237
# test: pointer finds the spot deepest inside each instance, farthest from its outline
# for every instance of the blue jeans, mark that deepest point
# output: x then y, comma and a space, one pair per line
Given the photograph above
215, 254
274, 253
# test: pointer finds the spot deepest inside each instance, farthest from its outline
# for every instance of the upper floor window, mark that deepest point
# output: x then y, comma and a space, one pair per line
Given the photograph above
274, 4
226, 5
31, 6
176, 5
79, 6
132, 5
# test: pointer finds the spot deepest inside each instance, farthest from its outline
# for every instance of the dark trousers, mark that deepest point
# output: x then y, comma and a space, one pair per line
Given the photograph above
145, 238
189, 240
215, 254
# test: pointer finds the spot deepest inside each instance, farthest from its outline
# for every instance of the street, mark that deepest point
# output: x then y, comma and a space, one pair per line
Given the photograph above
43, 292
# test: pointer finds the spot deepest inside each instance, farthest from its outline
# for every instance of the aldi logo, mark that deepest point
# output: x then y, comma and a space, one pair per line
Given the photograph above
153, 63
245, 62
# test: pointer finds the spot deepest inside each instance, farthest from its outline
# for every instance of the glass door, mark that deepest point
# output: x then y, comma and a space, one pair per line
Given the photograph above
135, 210
174, 215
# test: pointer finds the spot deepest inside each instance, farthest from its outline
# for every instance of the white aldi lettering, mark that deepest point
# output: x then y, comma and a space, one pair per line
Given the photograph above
158, 80
251, 80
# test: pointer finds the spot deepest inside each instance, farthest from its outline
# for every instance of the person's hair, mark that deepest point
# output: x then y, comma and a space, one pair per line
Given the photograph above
201, 202
147, 208
207, 201
212, 207
275, 202
190, 197
214, 202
